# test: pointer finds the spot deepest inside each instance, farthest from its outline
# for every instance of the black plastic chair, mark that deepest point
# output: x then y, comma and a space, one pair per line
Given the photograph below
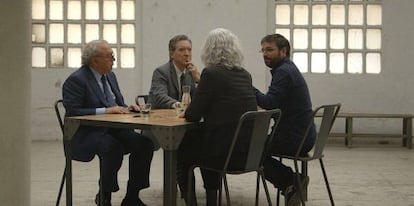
145, 96
329, 113
259, 142
67, 172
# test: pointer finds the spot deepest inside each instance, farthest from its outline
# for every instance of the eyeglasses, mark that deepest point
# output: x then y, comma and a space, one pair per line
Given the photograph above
112, 56
267, 50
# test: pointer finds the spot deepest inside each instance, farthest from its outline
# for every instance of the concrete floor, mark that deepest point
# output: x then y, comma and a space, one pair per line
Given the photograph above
366, 175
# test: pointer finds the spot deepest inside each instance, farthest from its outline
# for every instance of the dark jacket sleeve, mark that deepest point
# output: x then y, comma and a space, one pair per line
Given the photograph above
74, 92
202, 97
159, 90
278, 90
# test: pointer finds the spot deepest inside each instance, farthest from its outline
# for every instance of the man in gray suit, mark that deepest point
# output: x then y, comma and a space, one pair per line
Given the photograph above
168, 79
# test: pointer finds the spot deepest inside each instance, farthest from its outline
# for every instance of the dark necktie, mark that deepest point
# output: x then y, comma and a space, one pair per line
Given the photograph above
108, 96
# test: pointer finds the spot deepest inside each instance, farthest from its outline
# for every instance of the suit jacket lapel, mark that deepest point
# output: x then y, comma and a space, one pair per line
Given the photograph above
174, 76
95, 87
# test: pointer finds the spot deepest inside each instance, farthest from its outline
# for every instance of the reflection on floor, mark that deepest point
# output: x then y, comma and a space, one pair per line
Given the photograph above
366, 175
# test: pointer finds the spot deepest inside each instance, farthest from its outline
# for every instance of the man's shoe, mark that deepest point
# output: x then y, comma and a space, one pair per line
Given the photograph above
291, 193
132, 202
292, 198
106, 202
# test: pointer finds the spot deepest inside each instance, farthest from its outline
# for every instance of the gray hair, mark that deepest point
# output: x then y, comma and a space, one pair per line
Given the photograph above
222, 47
91, 50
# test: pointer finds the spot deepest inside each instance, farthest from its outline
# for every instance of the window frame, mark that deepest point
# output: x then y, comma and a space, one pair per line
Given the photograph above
273, 27
117, 46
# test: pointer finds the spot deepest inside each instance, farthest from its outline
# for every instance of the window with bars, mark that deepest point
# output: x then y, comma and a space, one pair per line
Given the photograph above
61, 28
332, 36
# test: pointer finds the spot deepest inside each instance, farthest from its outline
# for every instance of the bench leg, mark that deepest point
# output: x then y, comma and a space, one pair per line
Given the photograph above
348, 131
407, 133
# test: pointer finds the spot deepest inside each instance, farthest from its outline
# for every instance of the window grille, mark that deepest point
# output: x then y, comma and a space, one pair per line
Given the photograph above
332, 36
61, 28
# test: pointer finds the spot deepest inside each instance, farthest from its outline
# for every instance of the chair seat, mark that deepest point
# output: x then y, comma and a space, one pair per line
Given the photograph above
301, 158
329, 115
232, 171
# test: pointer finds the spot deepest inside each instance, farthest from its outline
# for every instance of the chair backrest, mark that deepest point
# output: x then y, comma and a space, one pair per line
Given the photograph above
259, 139
329, 113
145, 96
59, 112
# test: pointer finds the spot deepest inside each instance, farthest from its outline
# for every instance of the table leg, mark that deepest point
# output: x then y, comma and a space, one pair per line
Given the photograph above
169, 139
170, 184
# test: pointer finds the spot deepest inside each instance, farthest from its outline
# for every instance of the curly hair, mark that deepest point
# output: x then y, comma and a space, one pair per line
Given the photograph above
222, 47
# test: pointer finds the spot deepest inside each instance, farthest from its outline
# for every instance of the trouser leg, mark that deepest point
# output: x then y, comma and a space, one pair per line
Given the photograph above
211, 179
140, 151
277, 173
187, 155
111, 163
140, 164
211, 197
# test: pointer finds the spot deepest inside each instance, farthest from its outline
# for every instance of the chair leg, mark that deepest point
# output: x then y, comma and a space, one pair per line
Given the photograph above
257, 189
62, 182
278, 190
278, 197
68, 177
101, 188
269, 201
226, 187
299, 188
326, 182
220, 191
305, 174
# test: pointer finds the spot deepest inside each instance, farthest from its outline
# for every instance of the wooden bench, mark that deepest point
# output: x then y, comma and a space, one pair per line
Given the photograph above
406, 134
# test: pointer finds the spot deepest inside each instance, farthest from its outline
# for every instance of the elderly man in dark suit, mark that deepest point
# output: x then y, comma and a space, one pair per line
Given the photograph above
93, 89
168, 79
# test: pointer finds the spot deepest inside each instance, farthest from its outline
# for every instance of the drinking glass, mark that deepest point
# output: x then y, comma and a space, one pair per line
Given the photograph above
179, 109
145, 110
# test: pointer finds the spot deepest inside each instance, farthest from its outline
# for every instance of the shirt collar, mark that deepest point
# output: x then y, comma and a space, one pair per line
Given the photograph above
96, 74
178, 71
